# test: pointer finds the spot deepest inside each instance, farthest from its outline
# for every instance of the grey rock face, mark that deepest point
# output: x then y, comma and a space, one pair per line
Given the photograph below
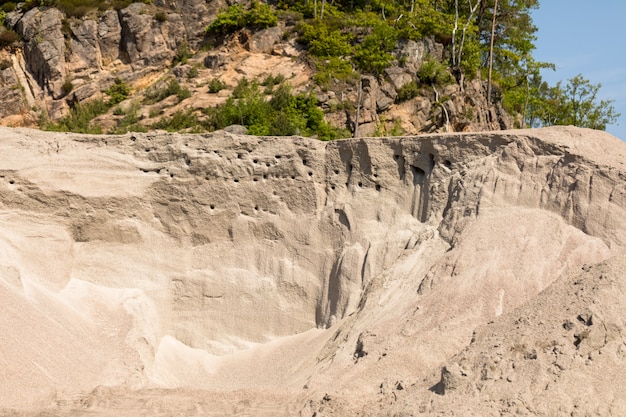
44, 48
109, 36
147, 42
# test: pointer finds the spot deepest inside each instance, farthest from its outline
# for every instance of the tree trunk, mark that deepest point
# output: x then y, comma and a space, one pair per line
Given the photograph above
358, 109
493, 33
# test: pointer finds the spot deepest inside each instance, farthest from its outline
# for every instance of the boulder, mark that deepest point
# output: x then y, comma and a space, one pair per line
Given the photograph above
263, 41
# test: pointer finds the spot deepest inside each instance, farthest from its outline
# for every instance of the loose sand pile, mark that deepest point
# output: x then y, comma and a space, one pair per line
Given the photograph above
166, 274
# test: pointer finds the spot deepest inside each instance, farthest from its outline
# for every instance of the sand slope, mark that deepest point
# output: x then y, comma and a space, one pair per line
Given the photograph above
166, 274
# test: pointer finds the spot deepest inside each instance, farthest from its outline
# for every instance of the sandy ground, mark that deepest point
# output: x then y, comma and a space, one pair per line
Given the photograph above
171, 275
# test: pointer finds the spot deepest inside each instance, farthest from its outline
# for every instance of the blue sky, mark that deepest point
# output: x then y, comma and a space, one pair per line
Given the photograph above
583, 37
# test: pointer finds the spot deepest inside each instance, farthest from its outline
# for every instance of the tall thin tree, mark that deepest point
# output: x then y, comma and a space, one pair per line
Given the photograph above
493, 35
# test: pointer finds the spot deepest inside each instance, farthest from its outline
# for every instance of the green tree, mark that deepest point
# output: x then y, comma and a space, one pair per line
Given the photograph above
574, 104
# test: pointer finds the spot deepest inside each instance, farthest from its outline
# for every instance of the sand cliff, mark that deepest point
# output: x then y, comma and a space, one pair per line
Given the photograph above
218, 274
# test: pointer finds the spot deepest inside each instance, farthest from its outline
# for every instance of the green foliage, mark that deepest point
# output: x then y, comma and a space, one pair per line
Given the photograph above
271, 81
160, 16
324, 41
67, 86
372, 55
575, 104
427, 21
80, 117
130, 122
283, 114
173, 88
228, 21
434, 72
193, 73
118, 92
8, 37
215, 85
243, 88
180, 120
3, 16
382, 130
235, 17
408, 91
7, 7
333, 67
183, 53
260, 16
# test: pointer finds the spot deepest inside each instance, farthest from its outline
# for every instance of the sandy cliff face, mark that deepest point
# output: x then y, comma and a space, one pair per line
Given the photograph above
220, 274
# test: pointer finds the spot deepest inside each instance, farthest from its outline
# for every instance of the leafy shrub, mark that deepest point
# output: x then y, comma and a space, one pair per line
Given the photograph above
160, 16
372, 54
215, 85
172, 88
434, 72
228, 21
8, 37
426, 21
333, 67
272, 80
259, 16
283, 114
74, 8
244, 87
67, 86
80, 117
179, 121
118, 92
408, 91
8, 7
193, 73
323, 41
183, 53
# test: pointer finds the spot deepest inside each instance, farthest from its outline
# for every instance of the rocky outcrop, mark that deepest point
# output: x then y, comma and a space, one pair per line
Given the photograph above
44, 48
146, 41
66, 53
74, 60
312, 277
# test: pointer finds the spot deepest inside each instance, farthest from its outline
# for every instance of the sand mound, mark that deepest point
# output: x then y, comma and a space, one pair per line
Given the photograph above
166, 274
